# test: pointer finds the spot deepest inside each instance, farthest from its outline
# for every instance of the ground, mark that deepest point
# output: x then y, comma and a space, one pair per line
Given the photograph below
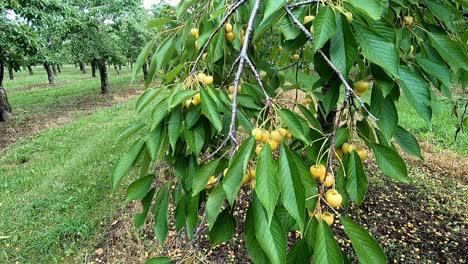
56, 204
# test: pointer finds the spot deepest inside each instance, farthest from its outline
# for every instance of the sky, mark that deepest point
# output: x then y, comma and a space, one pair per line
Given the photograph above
148, 3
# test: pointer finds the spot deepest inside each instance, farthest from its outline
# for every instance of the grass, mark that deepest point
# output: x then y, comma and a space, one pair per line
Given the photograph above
55, 191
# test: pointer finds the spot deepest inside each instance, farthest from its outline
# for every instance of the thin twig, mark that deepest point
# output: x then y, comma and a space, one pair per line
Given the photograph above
230, 72
221, 24
303, 3
259, 80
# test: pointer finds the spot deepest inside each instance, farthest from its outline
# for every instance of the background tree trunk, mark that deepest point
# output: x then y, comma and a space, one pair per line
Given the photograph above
59, 68
103, 76
82, 68
50, 74
131, 65
5, 108
93, 67
54, 69
116, 69
11, 73
30, 70
145, 71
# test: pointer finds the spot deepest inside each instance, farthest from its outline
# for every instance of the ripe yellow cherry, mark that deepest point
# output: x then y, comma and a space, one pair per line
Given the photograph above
228, 27
231, 97
225, 172
333, 198
273, 144
349, 16
194, 32
204, 56
211, 183
329, 180
231, 89
187, 103
246, 179
307, 19
196, 100
328, 218
196, 44
258, 149
265, 136
347, 148
255, 131
201, 76
408, 20
312, 29
284, 132
276, 136
280, 49
362, 153
230, 36
295, 57
259, 134
317, 170
361, 86
208, 80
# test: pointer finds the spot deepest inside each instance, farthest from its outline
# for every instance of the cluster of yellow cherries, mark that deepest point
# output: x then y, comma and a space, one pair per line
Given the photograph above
273, 138
332, 196
229, 33
196, 99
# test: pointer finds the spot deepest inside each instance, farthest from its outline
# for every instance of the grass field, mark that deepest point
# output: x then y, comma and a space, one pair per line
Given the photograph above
55, 193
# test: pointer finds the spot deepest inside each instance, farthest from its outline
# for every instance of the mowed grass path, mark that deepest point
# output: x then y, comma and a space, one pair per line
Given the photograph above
55, 191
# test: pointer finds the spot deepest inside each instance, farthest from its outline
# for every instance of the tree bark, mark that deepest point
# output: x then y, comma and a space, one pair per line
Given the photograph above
93, 67
120, 67
5, 108
103, 76
116, 69
50, 74
11, 73
59, 68
30, 70
54, 69
145, 70
131, 65
82, 68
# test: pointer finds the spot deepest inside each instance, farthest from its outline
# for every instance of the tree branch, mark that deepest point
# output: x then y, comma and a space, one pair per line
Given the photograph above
303, 3
221, 24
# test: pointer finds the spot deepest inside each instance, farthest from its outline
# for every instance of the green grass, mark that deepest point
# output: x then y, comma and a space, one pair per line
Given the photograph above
55, 189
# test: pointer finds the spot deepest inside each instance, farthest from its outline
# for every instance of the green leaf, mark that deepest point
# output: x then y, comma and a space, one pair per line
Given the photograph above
271, 237
384, 109
128, 132
195, 138
126, 162
296, 124
343, 47
266, 186
256, 252
377, 49
367, 249
210, 109
408, 142
271, 7
310, 117
324, 26
158, 21
160, 213
292, 189
159, 113
173, 73
139, 219
191, 213
179, 97
139, 188
356, 181
223, 229
154, 141
433, 68
417, 92
214, 204
174, 127
390, 163
148, 96
202, 175
142, 57
233, 179
449, 50
372, 8
299, 253
158, 260
326, 249
311, 233
308, 182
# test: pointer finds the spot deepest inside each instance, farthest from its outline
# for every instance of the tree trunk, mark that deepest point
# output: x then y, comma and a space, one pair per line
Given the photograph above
131, 65
30, 70
50, 74
54, 69
120, 67
103, 76
11, 73
5, 108
82, 68
145, 70
76, 65
93, 67
116, 69
59, 68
